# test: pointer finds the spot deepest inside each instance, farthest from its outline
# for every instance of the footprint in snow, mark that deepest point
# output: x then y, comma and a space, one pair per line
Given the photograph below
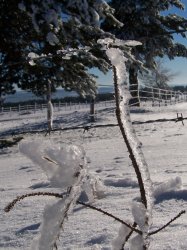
126, 182
31, 228
40, 185
97, 240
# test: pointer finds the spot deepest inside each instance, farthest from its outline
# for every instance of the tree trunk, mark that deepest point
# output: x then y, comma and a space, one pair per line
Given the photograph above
133, 86
1, 96
92, 110
49, 108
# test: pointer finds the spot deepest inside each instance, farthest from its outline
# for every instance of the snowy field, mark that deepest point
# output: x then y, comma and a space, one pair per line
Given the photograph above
164, 145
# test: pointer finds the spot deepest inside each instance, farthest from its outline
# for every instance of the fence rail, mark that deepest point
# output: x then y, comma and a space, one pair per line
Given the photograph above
57, 106
146, 95
157, 96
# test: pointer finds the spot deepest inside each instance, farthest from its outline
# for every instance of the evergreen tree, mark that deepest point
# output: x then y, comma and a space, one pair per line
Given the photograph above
148, 22
51, 35
7, 78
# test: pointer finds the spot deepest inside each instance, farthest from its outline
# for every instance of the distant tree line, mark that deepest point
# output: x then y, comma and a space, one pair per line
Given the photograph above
181, 88
67, 99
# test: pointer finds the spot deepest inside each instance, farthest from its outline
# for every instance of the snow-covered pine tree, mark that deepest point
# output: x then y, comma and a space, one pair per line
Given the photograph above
153, 24
7, 78
57, 48
57, 33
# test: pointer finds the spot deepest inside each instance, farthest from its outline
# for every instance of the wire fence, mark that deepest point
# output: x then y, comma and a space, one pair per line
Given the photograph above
143, 95
57, 106
152, 96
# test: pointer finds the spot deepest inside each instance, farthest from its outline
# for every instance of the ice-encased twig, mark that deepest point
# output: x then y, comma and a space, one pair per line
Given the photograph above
55, 216
122, 96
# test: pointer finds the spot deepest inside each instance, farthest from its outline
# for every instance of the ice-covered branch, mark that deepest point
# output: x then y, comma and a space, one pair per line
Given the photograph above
122, 96
66, 168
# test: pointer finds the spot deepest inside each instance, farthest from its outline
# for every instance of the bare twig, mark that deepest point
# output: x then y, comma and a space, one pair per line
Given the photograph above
19, 198
167, 224
57, 195
129, 235
110, 215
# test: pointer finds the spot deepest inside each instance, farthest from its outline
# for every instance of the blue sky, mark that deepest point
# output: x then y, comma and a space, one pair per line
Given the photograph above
178, 65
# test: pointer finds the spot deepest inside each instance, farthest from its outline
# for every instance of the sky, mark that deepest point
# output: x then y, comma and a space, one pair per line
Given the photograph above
178, 65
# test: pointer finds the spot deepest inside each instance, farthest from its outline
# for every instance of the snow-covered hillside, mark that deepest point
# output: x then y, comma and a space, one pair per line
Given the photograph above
164, 147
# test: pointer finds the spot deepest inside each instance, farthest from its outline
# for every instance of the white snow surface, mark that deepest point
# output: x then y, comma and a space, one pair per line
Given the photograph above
164, 145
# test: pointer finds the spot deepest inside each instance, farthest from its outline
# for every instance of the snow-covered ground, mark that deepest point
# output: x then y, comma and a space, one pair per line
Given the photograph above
164, 145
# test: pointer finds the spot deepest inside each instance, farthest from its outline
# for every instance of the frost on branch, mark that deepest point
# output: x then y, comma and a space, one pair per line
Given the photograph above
54, 217
139, 214
92, 12
124, 231
42, 13
118, 61
32, 56
118, 42
50, 13
137, 243
134, 146
59, 162
65, 167
51, 225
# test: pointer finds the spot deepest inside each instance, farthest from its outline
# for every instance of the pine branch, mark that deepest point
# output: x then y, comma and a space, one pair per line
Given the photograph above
167, 224
59, 53
110, 215
163, 34
19, 198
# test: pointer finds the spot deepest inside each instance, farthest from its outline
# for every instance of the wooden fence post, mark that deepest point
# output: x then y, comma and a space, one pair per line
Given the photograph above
35, 107
153, 98
92, 110
170, 97
166, 97
159, 97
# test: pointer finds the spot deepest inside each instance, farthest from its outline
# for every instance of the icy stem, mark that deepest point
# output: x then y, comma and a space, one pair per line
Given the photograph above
134, 146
